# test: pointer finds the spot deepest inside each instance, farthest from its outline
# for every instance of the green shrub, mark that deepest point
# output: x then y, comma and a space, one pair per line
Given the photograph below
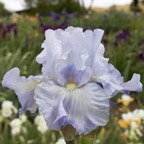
46, 6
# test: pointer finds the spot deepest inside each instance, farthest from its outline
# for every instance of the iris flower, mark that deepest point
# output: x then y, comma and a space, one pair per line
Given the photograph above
63, 26
55, 16
6, 29
123, 35
141, 56
76, 83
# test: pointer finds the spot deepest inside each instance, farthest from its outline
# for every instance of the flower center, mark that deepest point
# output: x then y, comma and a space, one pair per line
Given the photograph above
71, 85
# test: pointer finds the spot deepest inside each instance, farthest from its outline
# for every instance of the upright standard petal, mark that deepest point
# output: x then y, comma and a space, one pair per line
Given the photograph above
23, 87
51, 51
84, 108
71, 45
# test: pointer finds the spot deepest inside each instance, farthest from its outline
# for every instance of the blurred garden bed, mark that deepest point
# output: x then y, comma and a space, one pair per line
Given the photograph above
21, 36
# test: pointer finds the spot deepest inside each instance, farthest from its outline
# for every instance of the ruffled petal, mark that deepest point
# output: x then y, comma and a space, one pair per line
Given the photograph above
51, 51
71, 45
23, 87
72, 29
49, 100
84, 108
100, 63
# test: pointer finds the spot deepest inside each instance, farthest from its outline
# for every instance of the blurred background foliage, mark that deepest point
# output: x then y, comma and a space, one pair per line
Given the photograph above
46, 6
21, 36
3, 11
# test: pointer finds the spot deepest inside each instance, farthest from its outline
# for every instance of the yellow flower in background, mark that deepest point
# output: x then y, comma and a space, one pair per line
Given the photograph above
137, 116
123, 137
125, 100
138, 122
132, 122
124, 124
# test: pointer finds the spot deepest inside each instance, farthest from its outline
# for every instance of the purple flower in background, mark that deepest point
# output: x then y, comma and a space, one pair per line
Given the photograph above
12, 28
45, 27
76, 83
63, 26
8, 29
123, 35
141, 56
55, 16
69, 15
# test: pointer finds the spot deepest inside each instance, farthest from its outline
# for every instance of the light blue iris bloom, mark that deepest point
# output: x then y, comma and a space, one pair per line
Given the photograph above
76, 82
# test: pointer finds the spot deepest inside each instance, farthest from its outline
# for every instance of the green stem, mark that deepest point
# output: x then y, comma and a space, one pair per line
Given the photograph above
70, 142
5, 136
127, 69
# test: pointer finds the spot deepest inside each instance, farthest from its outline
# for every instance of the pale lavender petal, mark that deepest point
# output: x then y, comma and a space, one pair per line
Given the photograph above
85, 108
23, 87
113, 82
134, 84
71, 75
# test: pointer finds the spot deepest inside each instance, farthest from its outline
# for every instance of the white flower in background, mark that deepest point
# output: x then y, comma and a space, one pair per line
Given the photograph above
39, 119
16, 126
61, 141
139, 113
134, 132
41, 124
128, 116
125, 99
136, 115
7, 104
133, 124
15, 131
8, 109
97, 141
23, 117
15, 123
